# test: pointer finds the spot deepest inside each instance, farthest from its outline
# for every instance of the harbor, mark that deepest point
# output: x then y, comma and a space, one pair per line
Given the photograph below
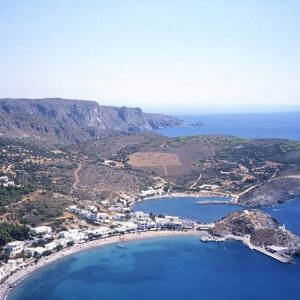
246, 241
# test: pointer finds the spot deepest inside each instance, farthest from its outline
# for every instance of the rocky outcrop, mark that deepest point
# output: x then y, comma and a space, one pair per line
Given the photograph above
275, 191
158, 121
71, 120
263, 230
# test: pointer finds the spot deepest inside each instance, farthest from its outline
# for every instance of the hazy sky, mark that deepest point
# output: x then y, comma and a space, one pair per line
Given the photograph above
187, 56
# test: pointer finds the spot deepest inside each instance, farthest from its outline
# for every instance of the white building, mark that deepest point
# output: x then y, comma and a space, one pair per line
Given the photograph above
130, 226
97, 217
73, 209
101, 231
50, 246
92, 208
71, 235
3, 179
148, 193
9, 184
172, 218
119, 217
120, 229
142, 225
139, 215
14, 264
31, 251
41, 230
15, 248
2, 273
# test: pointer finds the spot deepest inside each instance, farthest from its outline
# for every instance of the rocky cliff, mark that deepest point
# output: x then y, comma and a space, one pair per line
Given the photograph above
72, 120
159, 121
262, 229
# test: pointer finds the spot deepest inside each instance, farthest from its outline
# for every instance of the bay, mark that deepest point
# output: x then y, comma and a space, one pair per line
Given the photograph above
186, 207
166, 268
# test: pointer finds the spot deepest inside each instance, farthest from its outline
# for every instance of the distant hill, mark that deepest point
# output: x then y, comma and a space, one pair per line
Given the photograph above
73, 120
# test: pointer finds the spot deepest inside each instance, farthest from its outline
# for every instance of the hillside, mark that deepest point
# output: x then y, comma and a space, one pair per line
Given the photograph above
272, 192
39, 179
73, 120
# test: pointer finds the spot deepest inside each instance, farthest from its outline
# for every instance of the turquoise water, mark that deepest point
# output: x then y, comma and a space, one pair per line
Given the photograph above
171, 268
277, 125
167, 269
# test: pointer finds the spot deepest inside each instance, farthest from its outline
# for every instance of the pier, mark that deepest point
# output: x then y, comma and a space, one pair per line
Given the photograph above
206, 202
246, 241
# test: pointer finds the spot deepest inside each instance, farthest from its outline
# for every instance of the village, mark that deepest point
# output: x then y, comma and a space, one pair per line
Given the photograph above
111, 221
105, 221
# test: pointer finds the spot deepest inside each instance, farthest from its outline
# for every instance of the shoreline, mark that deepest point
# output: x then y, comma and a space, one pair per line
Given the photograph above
13, 280
195, 195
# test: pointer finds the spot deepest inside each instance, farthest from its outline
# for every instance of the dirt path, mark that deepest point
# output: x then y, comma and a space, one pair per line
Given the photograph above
196, 182
77, 179
9, 170
287, 176
166, 171
247, 190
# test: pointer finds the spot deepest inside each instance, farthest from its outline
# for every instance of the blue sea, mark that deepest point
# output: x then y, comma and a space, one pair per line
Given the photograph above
166, 269
273, 125
171, 268
186, 207
181, 267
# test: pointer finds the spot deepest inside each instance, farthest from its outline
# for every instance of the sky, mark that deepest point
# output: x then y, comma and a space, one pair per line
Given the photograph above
169, 56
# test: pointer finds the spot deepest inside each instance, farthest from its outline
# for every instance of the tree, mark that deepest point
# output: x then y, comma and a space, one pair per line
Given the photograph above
47, 253
70, 243
58, 248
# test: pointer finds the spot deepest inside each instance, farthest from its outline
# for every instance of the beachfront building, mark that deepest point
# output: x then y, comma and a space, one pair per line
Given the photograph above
139, 215
101, 231
13, 265
188, 224
126, 227
41, 230
148, 193
142, 225
170, 224
130, 226
50, 246
34, 251
15, 248
72, 235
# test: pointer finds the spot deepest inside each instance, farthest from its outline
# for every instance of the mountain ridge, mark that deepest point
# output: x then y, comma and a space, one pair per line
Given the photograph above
73, 120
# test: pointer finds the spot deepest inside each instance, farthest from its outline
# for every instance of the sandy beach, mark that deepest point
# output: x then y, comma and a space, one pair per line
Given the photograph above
190, 195
19, 275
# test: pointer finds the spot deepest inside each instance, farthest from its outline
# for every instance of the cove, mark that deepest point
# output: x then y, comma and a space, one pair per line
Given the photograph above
165, 268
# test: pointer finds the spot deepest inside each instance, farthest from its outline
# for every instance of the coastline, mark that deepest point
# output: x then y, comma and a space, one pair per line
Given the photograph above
21, 274
233, 197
